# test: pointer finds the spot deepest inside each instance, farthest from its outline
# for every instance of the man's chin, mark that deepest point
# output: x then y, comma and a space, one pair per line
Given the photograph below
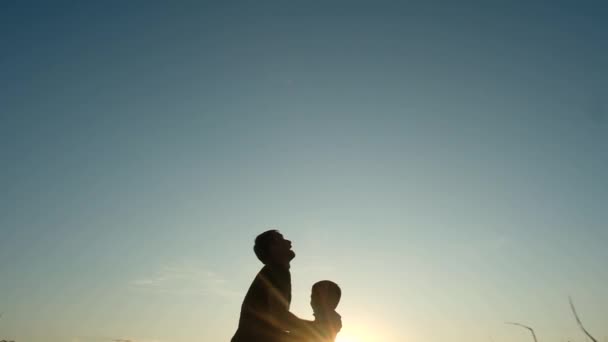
292, 255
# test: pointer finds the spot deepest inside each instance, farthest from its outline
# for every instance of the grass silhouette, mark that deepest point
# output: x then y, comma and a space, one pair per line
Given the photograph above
578, 321
525, 327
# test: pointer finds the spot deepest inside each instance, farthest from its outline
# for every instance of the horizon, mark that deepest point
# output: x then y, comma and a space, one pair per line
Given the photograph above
445, 164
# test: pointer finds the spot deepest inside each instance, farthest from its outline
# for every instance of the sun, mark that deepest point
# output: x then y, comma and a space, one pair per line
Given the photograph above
363, 329
346, 338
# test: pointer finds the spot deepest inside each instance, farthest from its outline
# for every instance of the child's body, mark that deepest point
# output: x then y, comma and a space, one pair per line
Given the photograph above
324, 300
327, 325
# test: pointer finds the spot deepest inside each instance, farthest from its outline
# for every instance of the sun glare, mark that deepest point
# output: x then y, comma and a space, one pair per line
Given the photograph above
346, 338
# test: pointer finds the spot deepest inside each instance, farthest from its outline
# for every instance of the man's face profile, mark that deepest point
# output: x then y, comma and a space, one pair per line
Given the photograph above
280, 249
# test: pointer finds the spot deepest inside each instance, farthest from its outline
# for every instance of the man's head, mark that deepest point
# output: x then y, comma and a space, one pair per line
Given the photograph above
272, 248
325, 296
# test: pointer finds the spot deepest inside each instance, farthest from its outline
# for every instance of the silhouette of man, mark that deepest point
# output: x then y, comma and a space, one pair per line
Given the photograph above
265, 315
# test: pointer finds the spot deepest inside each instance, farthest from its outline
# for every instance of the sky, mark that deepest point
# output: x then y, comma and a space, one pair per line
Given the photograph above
445, 163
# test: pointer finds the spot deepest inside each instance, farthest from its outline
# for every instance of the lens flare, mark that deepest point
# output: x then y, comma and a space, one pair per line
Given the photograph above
347, 338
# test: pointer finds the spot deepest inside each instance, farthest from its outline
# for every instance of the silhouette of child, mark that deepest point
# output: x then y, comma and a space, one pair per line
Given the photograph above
324, 300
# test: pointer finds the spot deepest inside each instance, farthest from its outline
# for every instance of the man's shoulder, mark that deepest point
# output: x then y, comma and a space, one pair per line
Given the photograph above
269, 277
274, 274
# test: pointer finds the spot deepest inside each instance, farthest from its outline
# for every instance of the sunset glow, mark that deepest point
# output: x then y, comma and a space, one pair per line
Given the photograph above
443, 162
348, 338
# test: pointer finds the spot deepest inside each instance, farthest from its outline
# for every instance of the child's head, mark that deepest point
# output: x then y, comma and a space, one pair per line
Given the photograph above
325, 296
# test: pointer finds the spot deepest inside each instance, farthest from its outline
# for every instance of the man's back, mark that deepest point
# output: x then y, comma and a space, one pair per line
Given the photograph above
265, 306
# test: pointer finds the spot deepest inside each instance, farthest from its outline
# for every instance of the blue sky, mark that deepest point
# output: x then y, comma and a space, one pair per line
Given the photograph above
444, 163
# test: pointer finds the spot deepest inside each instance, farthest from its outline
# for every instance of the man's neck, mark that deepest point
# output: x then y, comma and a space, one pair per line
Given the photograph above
282, 266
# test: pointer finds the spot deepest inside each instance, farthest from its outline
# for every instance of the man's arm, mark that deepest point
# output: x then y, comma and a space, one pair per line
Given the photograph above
284, 318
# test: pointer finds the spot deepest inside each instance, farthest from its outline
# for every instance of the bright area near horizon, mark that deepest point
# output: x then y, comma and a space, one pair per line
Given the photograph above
445, 164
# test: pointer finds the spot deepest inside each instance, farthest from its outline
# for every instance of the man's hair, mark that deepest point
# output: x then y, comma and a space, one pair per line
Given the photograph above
331, 291
262, 244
